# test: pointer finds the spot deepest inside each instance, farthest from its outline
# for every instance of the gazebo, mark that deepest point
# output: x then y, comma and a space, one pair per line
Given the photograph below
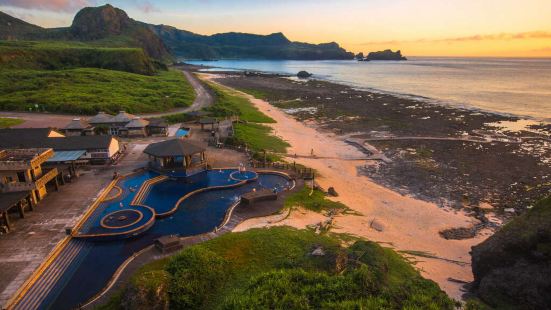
176, 157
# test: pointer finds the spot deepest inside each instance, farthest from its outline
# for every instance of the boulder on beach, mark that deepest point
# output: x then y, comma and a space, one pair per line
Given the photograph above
304, 74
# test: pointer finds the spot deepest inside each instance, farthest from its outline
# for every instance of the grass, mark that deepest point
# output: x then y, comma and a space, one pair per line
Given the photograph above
229, 103
316, 202
89, 90
273, 269
259, 137
56, 55
9, 122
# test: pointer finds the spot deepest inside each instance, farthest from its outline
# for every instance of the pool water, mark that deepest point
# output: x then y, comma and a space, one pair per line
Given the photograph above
98, 259
182, 132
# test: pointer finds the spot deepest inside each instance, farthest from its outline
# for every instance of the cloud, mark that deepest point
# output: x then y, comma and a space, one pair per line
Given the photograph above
49, 5
478, 37
147, 7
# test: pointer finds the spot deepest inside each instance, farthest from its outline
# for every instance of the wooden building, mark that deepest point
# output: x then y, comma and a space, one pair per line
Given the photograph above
176, 157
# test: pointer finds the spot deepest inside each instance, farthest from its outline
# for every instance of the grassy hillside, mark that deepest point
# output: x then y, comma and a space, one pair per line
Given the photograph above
55, 55
89, 90
274, 269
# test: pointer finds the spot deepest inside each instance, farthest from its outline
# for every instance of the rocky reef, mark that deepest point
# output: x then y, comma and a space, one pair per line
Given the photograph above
513, 267
385, 55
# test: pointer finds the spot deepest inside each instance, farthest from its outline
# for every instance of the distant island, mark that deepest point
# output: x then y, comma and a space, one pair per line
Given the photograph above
108, 26
382, 55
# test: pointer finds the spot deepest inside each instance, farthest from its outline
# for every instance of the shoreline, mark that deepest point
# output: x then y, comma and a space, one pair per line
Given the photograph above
408, 224
213, 69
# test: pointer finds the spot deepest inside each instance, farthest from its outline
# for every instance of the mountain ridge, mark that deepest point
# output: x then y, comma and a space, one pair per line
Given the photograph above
113, 27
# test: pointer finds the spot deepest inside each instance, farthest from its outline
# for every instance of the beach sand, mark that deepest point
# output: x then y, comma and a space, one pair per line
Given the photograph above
408, 224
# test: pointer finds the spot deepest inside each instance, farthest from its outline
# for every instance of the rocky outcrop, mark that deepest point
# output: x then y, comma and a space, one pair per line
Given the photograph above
304, 74
513, 267
105, 22
386, 55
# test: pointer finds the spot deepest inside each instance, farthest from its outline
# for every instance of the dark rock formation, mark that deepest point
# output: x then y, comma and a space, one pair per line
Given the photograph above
331, 191
513, 267
95, 23
386, 55
360, 56
304, 74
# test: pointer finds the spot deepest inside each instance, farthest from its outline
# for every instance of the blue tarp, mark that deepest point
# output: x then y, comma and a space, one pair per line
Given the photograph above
62, 156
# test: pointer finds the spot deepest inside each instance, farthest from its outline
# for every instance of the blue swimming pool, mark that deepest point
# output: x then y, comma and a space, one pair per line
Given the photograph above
182, 132
89, 263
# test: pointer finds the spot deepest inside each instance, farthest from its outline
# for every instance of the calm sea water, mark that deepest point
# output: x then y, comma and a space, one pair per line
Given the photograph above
510, 86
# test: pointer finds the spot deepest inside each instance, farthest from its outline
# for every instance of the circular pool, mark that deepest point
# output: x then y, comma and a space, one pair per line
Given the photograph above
121, 219
244, 175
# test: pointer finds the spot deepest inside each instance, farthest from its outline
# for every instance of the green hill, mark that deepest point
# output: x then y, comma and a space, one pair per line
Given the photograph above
275, 269
235, 45
104, 26
89, 90
52, 55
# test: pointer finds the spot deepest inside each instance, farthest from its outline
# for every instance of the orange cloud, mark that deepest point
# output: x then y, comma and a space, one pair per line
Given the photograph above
478, 37
52, 5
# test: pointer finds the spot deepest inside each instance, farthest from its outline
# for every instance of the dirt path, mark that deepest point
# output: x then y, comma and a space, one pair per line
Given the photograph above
202, 100
405, 223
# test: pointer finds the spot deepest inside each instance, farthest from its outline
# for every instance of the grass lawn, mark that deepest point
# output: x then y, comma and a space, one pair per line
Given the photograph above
259, 137
231, 103
274, 269
89, 90
316, 202
9, 122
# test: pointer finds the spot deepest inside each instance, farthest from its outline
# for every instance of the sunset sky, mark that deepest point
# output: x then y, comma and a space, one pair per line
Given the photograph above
417, 27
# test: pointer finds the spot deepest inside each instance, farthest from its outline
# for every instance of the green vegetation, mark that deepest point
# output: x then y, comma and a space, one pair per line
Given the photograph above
229, 103
512, 266
274, 269
258, 138
178, 118
56, 55
9, 122
316, 201
250, 130
89, 90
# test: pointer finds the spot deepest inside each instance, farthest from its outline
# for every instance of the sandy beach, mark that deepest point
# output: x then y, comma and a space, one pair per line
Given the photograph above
408, 224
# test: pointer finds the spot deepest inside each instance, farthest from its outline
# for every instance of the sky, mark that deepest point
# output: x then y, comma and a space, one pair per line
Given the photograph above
503, 28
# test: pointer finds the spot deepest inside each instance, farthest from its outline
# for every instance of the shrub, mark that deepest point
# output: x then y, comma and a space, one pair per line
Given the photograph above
194, 274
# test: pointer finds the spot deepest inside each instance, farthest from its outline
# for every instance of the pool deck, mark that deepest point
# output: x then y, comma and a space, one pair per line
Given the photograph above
241, 213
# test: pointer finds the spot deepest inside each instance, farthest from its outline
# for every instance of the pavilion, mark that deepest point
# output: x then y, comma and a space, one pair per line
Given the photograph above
176, 157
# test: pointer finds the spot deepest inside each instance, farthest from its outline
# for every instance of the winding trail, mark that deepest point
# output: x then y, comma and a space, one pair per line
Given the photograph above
202, 100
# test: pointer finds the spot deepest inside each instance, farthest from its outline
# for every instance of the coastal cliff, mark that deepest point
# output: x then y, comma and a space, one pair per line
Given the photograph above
513, 267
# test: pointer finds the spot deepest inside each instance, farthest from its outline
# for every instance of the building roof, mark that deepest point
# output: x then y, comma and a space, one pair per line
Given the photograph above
157, 122
79, 143
8, 200
137, 123
173, 148
207, 120
123, 117
77, 123
101, 118
29, 132
31, 138
63, 156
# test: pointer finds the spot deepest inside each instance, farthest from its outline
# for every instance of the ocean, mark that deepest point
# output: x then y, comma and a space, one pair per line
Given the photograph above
513, 86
